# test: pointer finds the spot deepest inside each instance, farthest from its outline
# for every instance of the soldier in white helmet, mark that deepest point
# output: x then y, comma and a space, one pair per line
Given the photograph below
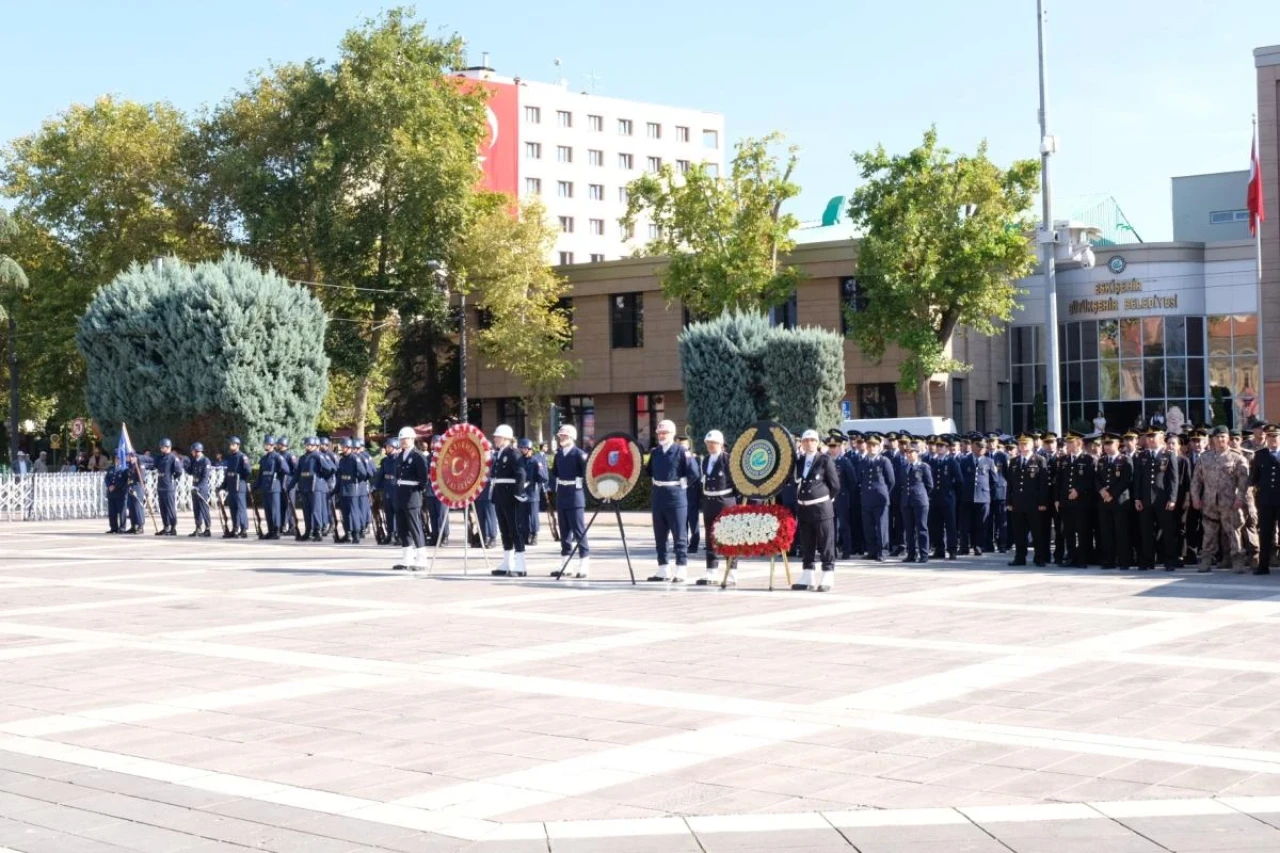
509, 477
568, 473
717, 495
411, 482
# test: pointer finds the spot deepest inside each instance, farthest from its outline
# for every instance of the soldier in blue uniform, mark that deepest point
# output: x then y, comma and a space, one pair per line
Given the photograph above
942, 501
386, 482
997, 538
135, 495
849, 482
693, 494
535, 472
977, 479
351, 472
509, 480
1113, 480
235, 482
168, 472
200, 469
364, 497
324, 447
312, 482
117, 482
486, 515
669, 469
896, 453
718, 495
271, 473
917, 483
875, 483
569, 470
1156, 498
288, 505
1074, 489
411, 484
817, 484
1264, 474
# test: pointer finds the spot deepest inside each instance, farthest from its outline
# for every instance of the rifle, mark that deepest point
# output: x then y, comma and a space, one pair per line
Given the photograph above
222, 512
337, 517
379, 530
552, 521
293, 512
142, 484
257, 517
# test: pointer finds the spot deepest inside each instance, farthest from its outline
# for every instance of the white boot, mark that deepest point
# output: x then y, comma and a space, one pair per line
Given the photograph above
661, 575
707, 578
680, 575
419, 559
732, 579
504, 568
584, 568
517, 566
827, 582
806, 580
406, 559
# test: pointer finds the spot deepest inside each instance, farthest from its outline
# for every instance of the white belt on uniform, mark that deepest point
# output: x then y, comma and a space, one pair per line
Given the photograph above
682, 483
815, 501
719, 494
407, 483
502, 481
575, 483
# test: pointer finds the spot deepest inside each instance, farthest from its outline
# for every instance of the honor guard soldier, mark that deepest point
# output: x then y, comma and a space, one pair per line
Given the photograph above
1156, 497
717, 495
1029, 493
875, 483
693, 495
388, 470
271, 473
509, 480
117, 482
817, 484
535, 483
235, 482
351, 473
977, 482
200, 469
365, 486
917, 483
1114, 480
288, 464
168, 472
942, 501
314, 472
1074, 490
569, 470
1265, 476
135, 494
669, 470
411, 483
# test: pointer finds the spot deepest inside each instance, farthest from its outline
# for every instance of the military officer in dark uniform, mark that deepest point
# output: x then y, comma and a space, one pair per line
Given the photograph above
117, 483
845, 522
1114, 479
200, 469
1264, 474
1156, 497
896, 451
875, 483
168, 472
411, 482
693, 495
288, 464
437, 512
717, 495
315, 469
998, 524
135, 494
509, 479
535, 472
1029, 492
351, 473
386, 484
669, 470
917, 483
569, 471
1192, 529
977, 481
942, 501
271, 470
1074, 489
817, 484
235, 482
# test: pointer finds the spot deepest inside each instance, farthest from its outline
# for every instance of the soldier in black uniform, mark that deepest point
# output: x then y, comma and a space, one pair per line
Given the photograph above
817, 484
1074, 490
1156, 498
411, 481
1028, 499
1114, 479
717, 494
509, 479
1264, 474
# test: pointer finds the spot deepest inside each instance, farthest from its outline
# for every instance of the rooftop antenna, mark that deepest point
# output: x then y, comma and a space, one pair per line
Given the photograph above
560, 81
592, 80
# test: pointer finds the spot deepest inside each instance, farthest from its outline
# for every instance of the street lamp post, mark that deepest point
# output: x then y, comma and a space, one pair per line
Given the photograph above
1048, 241
441, 272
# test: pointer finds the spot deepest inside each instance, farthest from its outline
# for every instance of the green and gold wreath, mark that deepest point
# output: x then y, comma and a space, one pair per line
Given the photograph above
762, 459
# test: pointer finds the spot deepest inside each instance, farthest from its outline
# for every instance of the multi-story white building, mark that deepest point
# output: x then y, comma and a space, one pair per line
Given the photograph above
577, 151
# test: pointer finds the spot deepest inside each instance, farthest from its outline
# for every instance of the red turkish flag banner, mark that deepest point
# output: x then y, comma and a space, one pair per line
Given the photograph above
1257, 205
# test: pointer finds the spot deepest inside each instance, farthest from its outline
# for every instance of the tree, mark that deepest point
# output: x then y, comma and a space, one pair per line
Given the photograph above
723, 237
943, 241
201, 352
13, 281
502, 258
803, 377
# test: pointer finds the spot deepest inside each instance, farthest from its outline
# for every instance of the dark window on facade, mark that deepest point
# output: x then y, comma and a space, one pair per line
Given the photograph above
646, 411
784, 315
511, 412
980, 415
565, 306
627, 320
878, 401
581, 412
957, 403
474, 408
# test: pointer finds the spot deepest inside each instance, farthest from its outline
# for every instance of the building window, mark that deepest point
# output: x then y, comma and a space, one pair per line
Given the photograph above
533, 150
654, 231
980, 415
851, 301
646, 411
596, 123
653, 130
564, 189
628, 232
566, 257
625, 127
595, 192
564, 154
710, 139
682, 166
564, 305
682, 134
627, 320
712, 169
626, 161
784, 315
957, 403
595, 157
581, 412
597, 258
511, 412
879, 400
533, 115
655, 163
597, 227
566, 224
564, 118
622, 195
1226, 217
533, 186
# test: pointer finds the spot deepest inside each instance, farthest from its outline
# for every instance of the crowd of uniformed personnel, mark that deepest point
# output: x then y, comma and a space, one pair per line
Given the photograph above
1207, 498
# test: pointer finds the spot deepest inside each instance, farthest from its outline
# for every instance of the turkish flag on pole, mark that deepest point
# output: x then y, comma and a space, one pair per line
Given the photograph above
1257, 207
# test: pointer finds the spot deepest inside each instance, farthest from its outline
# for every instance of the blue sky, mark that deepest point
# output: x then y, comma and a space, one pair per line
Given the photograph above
1136, 95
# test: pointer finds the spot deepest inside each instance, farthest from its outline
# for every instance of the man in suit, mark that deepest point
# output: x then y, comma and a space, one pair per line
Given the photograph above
1073, 497
1029, 492
875, 483
717, 495
817, 484
1156, 498
917, 482
669, 469
1114, 479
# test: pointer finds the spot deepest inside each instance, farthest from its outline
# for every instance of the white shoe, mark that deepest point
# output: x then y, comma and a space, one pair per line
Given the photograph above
806, 580
680, 575
518, 569
584, 568
406, 558
504, 568
419, 559
732, 579
662, 574
708, 578
827, 582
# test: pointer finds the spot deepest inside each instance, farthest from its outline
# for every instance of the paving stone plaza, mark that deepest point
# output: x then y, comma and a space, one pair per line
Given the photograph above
199, 695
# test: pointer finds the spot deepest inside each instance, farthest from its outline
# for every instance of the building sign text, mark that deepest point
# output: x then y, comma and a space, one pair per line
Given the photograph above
1114, 300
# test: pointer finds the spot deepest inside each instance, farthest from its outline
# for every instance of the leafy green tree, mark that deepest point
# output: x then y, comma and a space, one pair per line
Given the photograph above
201, 352
13, 281
724, 238
943, 241
502, 259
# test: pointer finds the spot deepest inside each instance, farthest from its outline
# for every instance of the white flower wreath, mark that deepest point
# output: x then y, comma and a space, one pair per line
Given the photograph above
746, 529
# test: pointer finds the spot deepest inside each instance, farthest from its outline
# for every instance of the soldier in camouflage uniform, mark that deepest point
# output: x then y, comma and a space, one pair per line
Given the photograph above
1218, 491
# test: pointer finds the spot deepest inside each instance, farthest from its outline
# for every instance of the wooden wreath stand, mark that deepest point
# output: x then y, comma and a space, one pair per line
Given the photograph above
617, 513
731, 563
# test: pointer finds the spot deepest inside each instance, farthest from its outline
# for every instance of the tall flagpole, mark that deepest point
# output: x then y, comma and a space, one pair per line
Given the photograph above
1257, 237
1047, 242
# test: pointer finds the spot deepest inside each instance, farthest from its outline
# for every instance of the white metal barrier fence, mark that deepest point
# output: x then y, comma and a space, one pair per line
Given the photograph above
45, 497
